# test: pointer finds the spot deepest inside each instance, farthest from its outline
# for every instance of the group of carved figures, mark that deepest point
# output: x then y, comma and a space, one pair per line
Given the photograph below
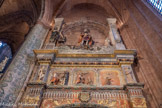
85, 40
81, 79
60, 79
63, 78
57, 79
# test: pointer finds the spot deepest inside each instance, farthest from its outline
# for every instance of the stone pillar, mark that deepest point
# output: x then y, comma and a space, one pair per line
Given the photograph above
114, 34
17, 72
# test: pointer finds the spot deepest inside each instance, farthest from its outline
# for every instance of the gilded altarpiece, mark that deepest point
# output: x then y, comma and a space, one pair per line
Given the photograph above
83, 75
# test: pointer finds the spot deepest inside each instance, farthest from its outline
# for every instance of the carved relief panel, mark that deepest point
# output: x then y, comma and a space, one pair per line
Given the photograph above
79, 76
39, 73
108, 77
84, 76
129, 75
59, 76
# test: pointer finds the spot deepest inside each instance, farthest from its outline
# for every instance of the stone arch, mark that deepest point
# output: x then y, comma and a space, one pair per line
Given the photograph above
49, 8
104, 4
90, 11
15, 24
84, 15
13, 19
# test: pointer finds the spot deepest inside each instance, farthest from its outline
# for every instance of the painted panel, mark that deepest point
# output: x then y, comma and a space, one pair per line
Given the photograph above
85, 76
109, 77
59, 76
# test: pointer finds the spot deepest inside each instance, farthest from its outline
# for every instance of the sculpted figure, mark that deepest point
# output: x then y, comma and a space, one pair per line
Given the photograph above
41, 74
84, 78
85, 39
60, 78
129, 75
57, 37
55, 80
80, 80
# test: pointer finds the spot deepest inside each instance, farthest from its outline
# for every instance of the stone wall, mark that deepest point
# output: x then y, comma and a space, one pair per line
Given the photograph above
142, 32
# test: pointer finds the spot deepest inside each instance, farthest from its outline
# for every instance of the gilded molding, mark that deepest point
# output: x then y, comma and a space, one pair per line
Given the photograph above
116, 52
45, 51
105, 66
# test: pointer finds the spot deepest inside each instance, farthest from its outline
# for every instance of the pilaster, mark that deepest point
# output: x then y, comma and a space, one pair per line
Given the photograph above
128, 73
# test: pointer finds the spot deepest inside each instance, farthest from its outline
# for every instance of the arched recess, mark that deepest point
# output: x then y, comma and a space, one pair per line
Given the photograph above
85, 16
105, 4
85, 11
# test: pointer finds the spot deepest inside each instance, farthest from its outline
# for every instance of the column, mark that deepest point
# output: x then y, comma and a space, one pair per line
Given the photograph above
114, 34
17, 72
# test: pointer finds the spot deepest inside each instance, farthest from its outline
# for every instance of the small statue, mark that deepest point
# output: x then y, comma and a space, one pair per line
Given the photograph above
80, 80
129, 76
55, 80
57, 37
85, 39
